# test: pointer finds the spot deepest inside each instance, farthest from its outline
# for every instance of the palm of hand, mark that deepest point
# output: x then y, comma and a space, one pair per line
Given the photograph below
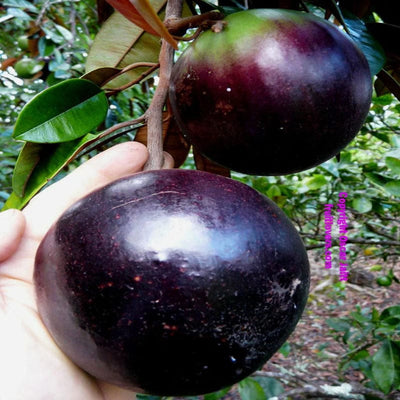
31, 364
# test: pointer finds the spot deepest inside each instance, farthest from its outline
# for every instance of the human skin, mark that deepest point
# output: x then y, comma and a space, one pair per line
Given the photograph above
32, 367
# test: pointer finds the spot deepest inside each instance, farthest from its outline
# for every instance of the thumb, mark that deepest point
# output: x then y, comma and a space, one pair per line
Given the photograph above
12, 227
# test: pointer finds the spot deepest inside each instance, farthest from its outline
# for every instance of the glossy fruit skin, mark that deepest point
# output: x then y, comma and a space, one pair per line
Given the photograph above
172, 282
276, 92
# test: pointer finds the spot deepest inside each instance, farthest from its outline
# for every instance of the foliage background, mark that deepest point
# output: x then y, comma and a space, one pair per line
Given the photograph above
368, 170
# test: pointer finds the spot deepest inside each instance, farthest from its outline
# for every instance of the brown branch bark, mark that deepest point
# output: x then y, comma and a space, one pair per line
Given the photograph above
316, 391
179, 26
379, 232
151, 68
154, 112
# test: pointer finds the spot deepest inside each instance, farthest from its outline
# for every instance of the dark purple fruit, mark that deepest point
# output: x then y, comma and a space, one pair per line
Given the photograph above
275, 92
172, 282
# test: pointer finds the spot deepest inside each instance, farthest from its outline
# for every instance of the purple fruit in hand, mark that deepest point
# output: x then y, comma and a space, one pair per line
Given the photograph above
275, 92
172, 282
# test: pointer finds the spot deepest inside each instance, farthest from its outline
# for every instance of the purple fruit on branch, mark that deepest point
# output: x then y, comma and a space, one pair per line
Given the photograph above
275, 92
172, 282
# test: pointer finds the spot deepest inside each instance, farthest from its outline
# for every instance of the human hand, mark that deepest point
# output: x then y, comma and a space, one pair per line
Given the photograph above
32, 367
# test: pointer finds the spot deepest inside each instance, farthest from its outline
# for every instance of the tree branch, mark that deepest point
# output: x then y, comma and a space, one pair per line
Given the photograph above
179, 26
351, 240
323, 390
151, 68
154, 112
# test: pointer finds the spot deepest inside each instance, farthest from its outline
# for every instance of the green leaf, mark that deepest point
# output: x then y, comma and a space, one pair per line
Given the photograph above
315, 182
393, 311
393, 164
377, 179
142, 13
385, 366
273, 191
393, 187
375, 316
45, 46
27, 5
361, 355
384, 136
27, 160
120, 43
392, 323
371, 48
250, 389
285, 349
359, 317
101, 75
271, 386
61, 113
53, 157
66, 34
362, 204
338, 324
217, 395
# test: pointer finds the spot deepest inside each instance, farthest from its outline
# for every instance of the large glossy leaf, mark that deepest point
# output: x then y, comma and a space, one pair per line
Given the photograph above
101, 76
61, 113
120, 43
27, 160
142, 14
50, 159
371, 48
387, 35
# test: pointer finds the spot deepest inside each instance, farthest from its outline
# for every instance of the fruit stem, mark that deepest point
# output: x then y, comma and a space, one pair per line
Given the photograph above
154, 114
179, 26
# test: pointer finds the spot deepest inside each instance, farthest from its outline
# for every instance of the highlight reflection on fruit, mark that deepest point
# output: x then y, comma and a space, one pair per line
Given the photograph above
275, 92
172, 282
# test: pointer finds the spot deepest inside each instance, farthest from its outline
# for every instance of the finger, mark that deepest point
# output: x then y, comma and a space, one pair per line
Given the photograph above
111, 392
12, 227
116, 162
169, 161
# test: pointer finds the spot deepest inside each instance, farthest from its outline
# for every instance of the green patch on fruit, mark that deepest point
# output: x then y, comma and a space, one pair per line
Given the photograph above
240, 28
